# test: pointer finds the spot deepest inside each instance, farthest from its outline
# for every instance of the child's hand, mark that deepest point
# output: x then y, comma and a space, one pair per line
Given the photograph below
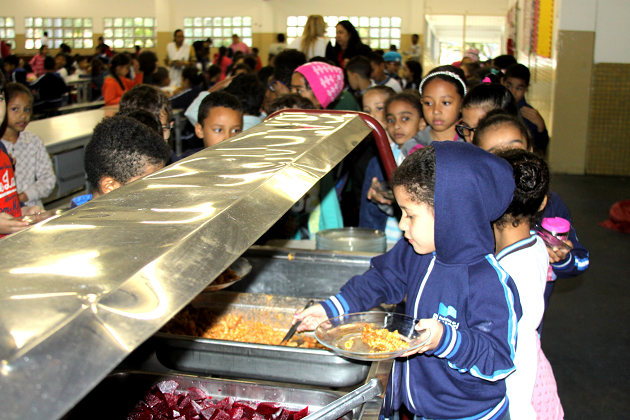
436, 328
23, 197
532, 115
558, 254
26, 210
310, 317
374, 194
9, 225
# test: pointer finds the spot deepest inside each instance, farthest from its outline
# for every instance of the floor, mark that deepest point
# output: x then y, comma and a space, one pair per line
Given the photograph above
585, 335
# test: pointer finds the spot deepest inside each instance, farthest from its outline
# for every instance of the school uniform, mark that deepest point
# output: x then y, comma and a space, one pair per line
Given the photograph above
541, 140
9, 202
461, 285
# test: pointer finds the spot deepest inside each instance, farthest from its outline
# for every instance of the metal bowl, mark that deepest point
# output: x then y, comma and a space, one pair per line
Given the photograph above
351, 239
342, 334
241, 267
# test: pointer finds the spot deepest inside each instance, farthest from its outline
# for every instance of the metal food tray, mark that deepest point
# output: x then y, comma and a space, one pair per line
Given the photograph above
117, 394
257, 361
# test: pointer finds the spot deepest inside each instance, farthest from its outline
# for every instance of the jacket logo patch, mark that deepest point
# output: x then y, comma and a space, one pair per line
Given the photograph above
443, 315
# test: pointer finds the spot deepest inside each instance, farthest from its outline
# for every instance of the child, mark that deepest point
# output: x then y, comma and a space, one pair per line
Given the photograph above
405, 122
449, 193
290, 101
478, 102
412, 74
442, 93
220, 117
517, 81
358, 71
322, 84
153, 100
117, 83
60, 66
121, 150
492, 135
10, 206
524, 256
378, 72
392, 64
37, 62
51, 90
33, 169
14, 73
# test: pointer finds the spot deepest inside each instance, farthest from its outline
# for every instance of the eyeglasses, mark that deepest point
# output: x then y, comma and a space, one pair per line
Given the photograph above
271, 85
464, 131
167, 127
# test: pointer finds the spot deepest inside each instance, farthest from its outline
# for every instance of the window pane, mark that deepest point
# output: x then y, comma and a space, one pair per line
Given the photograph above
374, 44
148, 32
217, 32
355, 21
67, 23
364, 22
11, 33
9, 22
343, 18
375, 22
188, 22
29, 44
77, 33
330, 32
28, 22
207, 32
88, 43
291, 21
47, 22
396, 42
58, 22
139, 32
292, 32
227, 21
38, 43
59, 33
198, 32
237, 21
67, 33
217, 21
385, 43
3, 33
37, 33
28, 33
137, 22
395, 33
386, 22
129, 43
109, 41
149, 43
198, 21
87, 33
207, 22
227, 42
302, 20
300, 30
188, 32
78, 43
118, 43
38, 22
87, 23
148, 22
247, 41
118, 33
396, 22
384, 32
227, 32
118, 23
374, 33
138, 42
107, 23
78, 23
247, 21
247, 31
237, 31
363, 32
128, 22
2, 22
57, 43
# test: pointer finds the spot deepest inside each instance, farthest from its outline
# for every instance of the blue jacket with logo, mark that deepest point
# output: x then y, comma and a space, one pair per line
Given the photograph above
460, 284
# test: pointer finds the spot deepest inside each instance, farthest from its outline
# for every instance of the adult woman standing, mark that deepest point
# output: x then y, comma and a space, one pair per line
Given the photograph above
312, 42
348, 44
180, 55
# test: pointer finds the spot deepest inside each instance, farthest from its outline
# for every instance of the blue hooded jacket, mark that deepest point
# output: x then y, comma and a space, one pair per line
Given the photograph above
460, 284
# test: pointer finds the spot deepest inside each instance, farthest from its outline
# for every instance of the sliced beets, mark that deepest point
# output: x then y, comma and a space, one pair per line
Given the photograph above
268, 409
167, 387
197, 394
301, 414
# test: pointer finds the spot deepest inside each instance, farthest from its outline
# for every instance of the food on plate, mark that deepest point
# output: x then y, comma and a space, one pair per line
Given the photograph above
232, 327
383, 340
227, 276
166, 401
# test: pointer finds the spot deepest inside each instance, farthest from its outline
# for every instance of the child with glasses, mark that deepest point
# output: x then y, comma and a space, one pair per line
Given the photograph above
478, 102
152, 99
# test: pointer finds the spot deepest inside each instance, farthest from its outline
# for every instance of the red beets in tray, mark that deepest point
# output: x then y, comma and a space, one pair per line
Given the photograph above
166, 402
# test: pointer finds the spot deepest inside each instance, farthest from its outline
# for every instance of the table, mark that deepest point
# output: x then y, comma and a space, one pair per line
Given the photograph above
84, 89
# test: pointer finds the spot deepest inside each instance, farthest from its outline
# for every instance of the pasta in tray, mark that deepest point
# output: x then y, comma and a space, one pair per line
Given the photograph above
232, 327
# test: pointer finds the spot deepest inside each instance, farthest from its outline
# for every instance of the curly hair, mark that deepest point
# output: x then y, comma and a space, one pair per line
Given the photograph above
417, 176
286, 62
290, 101
121, 148
149, 98
411, 98
531, 176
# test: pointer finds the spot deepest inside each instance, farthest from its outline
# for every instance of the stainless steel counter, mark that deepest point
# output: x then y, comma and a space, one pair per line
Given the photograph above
81, 291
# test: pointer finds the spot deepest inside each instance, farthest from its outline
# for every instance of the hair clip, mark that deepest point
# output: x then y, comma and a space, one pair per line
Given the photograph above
446, 73
486, 80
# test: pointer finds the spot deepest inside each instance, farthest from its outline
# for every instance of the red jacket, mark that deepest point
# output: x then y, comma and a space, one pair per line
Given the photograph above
112, 91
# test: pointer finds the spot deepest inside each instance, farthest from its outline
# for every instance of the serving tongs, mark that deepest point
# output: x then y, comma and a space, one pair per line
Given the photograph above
295, 326
348, 402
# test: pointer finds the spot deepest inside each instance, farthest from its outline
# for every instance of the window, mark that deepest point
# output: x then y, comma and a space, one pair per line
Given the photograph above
220, 29
128, 32
7, 30
75, 32
377, 32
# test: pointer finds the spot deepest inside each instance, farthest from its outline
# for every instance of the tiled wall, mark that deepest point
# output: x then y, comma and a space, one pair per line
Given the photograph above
608, 151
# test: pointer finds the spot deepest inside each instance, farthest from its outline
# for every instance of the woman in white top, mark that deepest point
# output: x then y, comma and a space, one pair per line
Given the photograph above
180, 55
312, 42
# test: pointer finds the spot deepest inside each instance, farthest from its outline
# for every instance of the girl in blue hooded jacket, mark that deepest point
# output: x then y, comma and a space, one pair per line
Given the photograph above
445, 267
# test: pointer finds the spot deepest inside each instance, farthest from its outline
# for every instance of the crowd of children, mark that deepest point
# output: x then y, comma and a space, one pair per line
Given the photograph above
466, 262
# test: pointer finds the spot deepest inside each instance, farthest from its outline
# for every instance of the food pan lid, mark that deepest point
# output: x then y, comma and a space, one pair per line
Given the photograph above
79, 292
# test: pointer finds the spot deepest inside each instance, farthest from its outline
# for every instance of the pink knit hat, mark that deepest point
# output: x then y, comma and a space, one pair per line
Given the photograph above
326, 81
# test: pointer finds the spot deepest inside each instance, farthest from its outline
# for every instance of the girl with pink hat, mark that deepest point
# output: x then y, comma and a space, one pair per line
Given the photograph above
322, 84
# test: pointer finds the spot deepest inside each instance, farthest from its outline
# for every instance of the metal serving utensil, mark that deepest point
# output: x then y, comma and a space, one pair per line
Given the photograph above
296, 325
348, 402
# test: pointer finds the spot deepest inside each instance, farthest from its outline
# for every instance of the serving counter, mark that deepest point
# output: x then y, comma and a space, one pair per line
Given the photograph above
81, 291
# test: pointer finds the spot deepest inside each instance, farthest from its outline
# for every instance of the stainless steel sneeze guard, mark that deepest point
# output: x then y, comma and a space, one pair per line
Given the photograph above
81, 291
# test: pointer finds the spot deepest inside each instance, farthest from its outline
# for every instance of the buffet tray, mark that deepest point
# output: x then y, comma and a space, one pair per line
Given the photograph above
257, 361
117, 394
